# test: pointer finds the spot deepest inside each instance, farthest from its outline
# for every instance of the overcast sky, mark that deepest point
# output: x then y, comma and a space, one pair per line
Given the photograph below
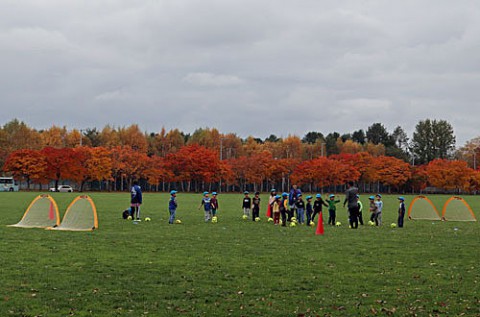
252, 67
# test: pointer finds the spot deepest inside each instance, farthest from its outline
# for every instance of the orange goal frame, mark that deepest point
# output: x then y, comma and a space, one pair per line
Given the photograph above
444, 210
425, 198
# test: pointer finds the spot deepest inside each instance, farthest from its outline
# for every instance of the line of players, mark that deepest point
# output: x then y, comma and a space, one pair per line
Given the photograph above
283, 208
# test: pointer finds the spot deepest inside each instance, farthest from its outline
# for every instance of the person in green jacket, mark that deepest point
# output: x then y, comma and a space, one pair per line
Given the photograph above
332, 209
360, 209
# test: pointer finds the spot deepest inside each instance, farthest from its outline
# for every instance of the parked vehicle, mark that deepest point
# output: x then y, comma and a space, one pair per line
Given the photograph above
62, 189
8, 184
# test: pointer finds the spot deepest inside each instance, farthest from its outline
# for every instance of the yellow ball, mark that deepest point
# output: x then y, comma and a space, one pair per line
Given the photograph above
147, 219
312, 224
338, 224
257, 219
293, 224
129, 217
214, 219
244, 217
270, 219
178, 221
393, 225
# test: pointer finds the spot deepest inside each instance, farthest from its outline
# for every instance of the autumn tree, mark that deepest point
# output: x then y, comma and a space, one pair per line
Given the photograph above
54, 137
60, 164
27, 165
449, 175
134, 138
391, 171
194, 163
96, 165
16, 135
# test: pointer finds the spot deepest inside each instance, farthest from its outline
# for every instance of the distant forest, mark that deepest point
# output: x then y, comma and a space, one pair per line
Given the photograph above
111, 158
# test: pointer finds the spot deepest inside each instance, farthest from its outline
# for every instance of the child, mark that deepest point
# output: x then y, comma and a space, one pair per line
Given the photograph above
284, 208
300, 205
276, 209
247, 204
373, 208
378, 214
360, 209
207, 205
309, 210
332, 210
214, 203
271, 199
256, 206
317, 206
172, 206
401, 211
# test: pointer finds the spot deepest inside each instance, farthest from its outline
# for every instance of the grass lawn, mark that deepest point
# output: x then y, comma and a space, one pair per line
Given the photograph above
235, 267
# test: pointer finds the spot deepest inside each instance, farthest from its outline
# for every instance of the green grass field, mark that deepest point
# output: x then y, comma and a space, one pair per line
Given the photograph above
235, 267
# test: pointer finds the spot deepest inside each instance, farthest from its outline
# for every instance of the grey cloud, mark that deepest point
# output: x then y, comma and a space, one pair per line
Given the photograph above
250, 67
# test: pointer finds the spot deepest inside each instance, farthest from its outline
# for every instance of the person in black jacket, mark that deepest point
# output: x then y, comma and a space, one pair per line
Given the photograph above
317, 206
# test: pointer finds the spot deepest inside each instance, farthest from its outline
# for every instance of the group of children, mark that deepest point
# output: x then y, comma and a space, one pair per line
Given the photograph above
283, 208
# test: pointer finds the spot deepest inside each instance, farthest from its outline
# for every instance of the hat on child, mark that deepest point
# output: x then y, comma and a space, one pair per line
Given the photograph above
245, 192
371, 198
172, 192
401, 198
309, 197
318, 195
214, 193
205, 193
284, 194
332, 195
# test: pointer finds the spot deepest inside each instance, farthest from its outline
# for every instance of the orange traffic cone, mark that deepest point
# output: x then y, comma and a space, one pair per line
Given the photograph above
320, 224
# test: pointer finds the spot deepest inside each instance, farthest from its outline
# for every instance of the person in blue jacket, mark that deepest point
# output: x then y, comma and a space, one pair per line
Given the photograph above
136, 200
172, 206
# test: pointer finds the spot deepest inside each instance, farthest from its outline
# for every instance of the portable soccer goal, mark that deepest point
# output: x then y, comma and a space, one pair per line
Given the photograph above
457, 209
41, 213
422, 208
81, 215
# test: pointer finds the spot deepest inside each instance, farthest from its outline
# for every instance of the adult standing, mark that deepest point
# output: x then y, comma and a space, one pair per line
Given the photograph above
135, 200
352, 204
292, 200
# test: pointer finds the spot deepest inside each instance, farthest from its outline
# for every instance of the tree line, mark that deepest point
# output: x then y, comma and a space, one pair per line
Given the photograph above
207, 159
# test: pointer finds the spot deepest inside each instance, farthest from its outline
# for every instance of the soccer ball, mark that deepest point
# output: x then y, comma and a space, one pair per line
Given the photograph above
129, 217
147, 219
293, 219
178, 221
257, 219
244, 217
293, 224
393, 225
312, 224
371, 223
338, 224
214, 219
270, 219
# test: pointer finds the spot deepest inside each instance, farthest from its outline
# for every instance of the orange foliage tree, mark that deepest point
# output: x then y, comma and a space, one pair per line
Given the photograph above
27, 165
391, 171
449, 175
194, 163
61, 164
